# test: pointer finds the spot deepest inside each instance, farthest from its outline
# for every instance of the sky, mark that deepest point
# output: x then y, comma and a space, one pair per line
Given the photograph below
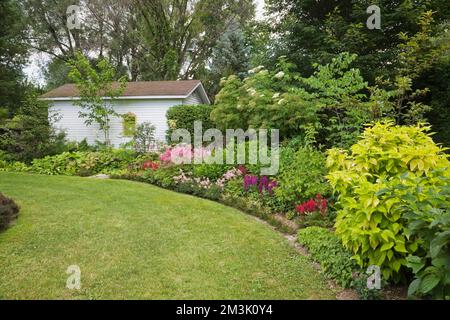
37, 62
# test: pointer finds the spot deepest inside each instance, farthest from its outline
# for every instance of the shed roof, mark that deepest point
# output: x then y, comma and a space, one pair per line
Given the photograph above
181, 88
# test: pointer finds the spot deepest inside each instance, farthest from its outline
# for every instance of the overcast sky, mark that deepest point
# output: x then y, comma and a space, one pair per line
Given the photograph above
34, 68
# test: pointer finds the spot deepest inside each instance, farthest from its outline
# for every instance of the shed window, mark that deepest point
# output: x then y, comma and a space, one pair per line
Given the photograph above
129, 124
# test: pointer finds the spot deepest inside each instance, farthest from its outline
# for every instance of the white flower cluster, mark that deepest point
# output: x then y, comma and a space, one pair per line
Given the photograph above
251, 91
256, 70
280, 75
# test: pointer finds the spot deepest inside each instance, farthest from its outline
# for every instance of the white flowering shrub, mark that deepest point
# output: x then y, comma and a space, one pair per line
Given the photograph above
329, 104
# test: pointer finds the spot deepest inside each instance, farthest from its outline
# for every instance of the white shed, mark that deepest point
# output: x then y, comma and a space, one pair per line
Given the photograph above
148, 101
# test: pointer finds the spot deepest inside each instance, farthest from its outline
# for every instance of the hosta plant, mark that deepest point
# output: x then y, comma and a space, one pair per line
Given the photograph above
368, 221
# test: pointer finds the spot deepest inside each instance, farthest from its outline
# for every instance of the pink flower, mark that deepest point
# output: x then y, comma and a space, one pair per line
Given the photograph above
183, 154
166, 157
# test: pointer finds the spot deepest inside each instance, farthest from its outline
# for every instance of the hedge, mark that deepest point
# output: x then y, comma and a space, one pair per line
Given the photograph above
184, 116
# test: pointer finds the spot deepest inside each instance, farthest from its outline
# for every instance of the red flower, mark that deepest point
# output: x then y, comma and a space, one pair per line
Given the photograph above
300, 209
313, 205
150, 165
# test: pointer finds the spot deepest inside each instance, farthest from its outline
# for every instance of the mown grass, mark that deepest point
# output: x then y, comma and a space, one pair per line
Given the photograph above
136, 241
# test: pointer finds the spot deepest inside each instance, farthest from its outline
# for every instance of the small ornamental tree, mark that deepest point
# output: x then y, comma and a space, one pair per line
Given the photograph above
97, 91
144, 137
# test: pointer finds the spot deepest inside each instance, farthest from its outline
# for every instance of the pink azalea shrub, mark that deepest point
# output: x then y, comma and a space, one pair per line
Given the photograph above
183, 154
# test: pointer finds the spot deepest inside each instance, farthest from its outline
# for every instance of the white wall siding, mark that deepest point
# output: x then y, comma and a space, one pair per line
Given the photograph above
194, 98
153, 111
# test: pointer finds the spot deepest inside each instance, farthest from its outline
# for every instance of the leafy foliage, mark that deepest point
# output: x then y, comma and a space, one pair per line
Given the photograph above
83, 163
210, 171
13, 53
230, 56
93, 87
330, 100
326, 248
426, 210
301, 177
129, 124
368, 223
29, 134
313, 31
417, 54
178, 38
414, 37
184, 116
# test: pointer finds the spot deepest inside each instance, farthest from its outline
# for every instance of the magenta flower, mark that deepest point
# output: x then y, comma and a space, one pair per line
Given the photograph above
263, 184
250, 181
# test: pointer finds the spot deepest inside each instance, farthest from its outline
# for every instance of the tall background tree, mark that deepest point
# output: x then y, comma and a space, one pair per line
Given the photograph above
107, 29
145, 40
232, 55
180, 36
13, 54
314, 31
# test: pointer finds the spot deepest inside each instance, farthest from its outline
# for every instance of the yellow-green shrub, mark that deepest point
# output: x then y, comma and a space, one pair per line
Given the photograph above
367, 222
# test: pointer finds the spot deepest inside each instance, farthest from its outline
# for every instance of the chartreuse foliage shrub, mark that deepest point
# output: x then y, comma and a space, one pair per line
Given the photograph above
368, 222
301, 177
326, 248
184, 116
426, 208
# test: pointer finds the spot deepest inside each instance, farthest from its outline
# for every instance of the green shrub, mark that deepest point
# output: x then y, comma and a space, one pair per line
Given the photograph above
9, 211
83, 146
184, 116
213, 192
427, 212
30, 134
359, 284
368, 222
235, 188
301, 177
83, 163
326, 248
317, 219
162, 177
211, 171
331, 99
14, 166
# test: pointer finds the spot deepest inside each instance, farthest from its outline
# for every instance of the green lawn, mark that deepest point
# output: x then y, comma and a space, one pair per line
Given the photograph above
136, 241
